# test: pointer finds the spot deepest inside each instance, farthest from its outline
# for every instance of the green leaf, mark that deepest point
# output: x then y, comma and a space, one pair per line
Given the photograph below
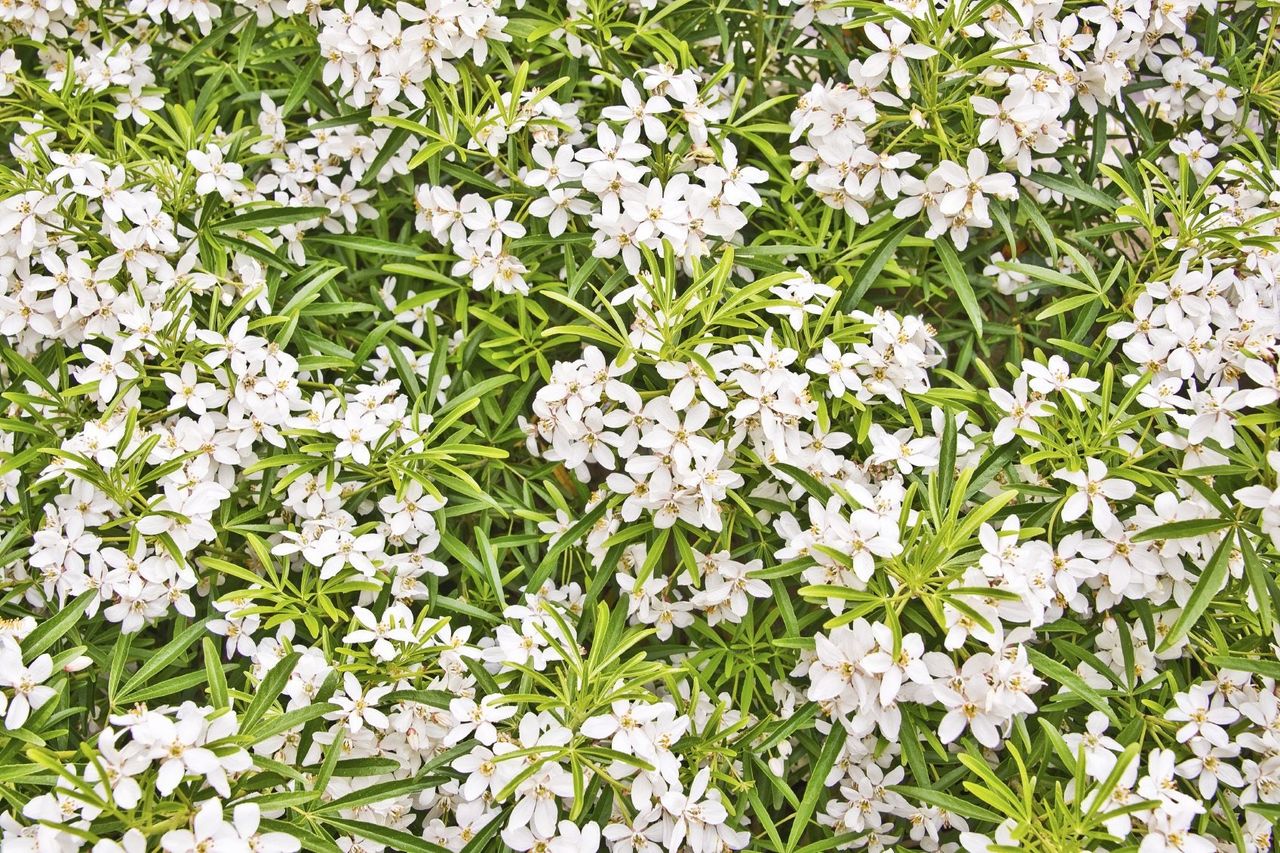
271, 726
1269, 668
1268, 810
873, 266
564, 542
1062, 306
1210, 584
379, 792
269, 217
215, 36
1071, 681
298, 90
964, 808
396, 839
1259, 581
312, 842
368, 245
49, 631
215, 678
1188, 529
1073, 187
817, 784
804, 478
159, 660
959, 280
273, 683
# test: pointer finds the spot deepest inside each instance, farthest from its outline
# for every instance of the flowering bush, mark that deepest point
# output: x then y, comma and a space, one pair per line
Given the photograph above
665, 426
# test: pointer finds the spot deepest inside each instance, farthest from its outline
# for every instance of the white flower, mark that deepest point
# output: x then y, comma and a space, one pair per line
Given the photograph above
208, 832
1210, 766
894, 49
190, 393
179, 747
215, 174
356, 705
1056, 376
107, 369
247, 819
30, 692
640, 112
485, 769
1021, 412
477, 718
1094, 489
1203, 714
392, 628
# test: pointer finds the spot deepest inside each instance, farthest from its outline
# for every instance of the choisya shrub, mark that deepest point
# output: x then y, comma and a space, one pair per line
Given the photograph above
477, 425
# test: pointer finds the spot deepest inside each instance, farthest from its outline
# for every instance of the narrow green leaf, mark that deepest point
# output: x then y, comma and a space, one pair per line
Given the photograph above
1188, 529
49, 631
817, 785
959, 281
269, 217
161, 659
1071, 681
1209, 585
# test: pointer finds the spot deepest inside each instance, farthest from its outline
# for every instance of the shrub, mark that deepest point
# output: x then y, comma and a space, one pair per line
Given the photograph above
465, 425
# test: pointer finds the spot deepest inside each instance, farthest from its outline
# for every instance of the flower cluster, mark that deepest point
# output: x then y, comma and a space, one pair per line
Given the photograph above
610, 186
858, 130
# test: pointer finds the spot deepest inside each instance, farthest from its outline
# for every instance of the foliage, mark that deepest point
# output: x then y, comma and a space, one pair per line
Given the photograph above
665, 425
